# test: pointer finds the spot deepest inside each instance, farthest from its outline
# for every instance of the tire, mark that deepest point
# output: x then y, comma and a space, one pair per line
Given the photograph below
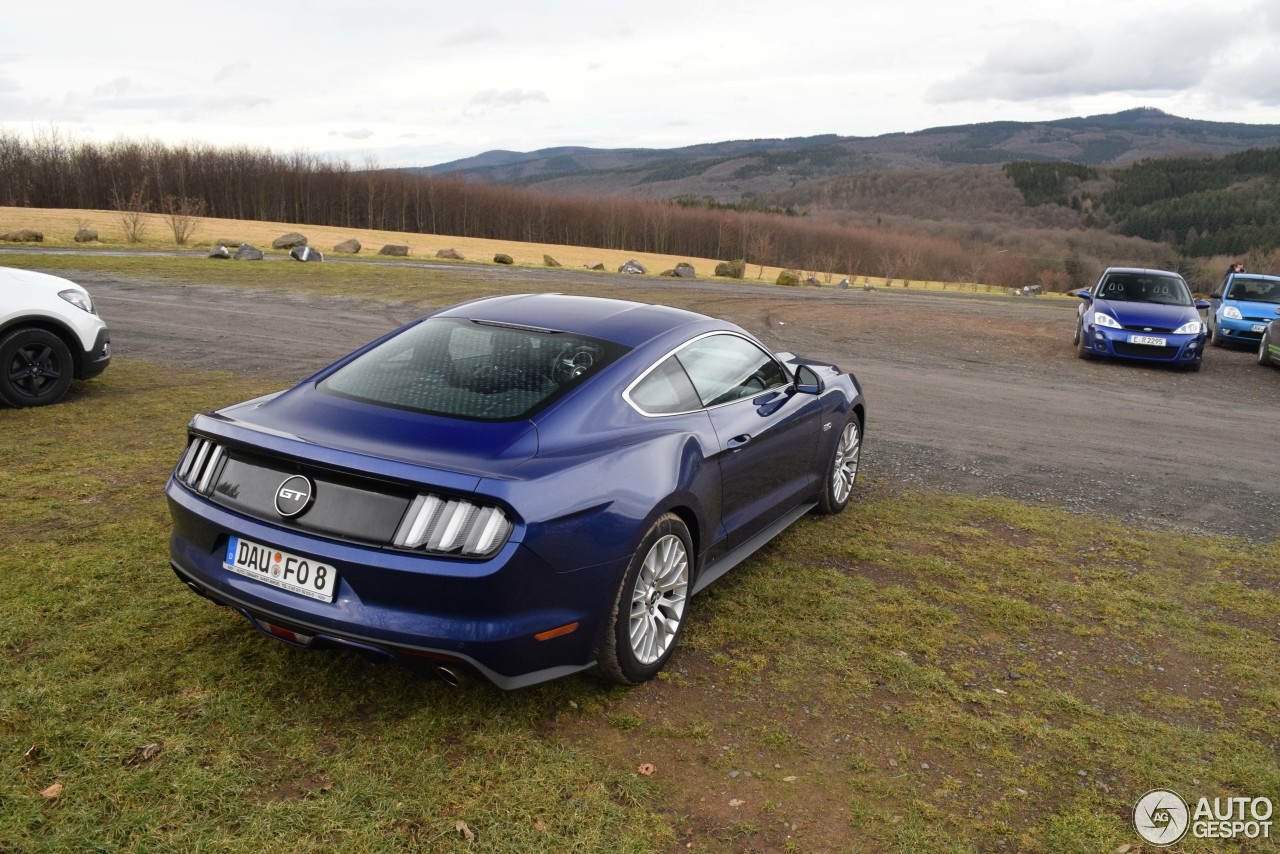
649, 610
1214, 338
1082, 343
1194, 367
1264, 355
35, 368
1076, 340
842, 472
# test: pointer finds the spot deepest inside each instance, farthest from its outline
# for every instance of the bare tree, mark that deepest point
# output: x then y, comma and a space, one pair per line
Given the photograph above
183, 215
133, 212
760, 246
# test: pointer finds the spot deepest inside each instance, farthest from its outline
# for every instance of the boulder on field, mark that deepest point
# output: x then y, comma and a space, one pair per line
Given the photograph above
670, 274
732, 269
305, 253
85, 234
24, 235
398, 250
844, 285
245, 252
219, 251
867, 286
812, 282
633, 267
350, 246
548, 261
503, 258
289, 241
685, 270
790, 278
450, 254
599, 265
226, 241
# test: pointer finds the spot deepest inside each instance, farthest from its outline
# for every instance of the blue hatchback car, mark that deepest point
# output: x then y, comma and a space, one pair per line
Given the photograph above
1147, 315
1241, 307
527, 486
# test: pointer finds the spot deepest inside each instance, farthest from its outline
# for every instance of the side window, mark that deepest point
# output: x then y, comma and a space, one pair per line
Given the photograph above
665, 390
724, 368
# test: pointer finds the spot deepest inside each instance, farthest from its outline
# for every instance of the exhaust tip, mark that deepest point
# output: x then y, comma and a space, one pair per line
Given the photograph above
448, 676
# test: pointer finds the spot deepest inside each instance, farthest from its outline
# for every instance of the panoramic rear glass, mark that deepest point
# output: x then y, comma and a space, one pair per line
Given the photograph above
472, 369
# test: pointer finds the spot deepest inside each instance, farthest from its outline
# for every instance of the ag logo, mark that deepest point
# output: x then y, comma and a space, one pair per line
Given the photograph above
293, 496
1161, 817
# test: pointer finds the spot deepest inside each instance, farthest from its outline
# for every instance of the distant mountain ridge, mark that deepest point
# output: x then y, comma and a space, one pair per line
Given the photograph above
733, 170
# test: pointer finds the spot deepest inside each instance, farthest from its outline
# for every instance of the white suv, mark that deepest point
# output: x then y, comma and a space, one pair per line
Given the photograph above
49, 333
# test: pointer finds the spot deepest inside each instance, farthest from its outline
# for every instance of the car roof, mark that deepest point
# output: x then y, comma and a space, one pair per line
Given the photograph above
621, 321
1147, 270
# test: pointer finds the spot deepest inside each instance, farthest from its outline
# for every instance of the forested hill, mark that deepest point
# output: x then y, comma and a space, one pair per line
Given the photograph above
732, 171
1204, 206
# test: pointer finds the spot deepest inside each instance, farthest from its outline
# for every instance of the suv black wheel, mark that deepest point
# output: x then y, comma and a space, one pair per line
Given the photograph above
35, 368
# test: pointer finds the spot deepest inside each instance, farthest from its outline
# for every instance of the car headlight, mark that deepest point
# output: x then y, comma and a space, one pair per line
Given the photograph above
81, 300
1106, 320
1231, 312
1191, 327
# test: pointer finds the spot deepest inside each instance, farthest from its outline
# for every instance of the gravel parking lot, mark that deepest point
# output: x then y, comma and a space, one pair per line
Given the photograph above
976, 394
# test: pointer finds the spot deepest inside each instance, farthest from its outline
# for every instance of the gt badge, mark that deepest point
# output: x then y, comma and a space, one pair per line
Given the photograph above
294, 496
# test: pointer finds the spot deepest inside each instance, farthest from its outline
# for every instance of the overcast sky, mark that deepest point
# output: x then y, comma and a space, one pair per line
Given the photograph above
418, 83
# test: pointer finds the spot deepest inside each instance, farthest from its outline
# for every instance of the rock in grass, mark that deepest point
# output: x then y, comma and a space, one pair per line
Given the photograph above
245, 252
449, 254
289, 241
24, 235
350, 246
503, 258
548, 261
599, 265
398, 250
86, 235
219, 251
305, 253
685, 270
633, 267
790, 278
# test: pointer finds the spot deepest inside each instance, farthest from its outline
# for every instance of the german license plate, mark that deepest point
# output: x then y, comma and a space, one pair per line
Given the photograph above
1259, 327
281, 569
1149, 340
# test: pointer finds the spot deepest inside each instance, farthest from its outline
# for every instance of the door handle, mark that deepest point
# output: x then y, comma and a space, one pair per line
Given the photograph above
738, 442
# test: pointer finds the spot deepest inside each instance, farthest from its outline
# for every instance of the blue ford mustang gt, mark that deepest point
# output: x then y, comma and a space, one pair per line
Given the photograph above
526, 486
1146, 315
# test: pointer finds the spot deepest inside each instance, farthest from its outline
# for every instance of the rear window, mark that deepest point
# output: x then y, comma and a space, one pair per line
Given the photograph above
472, 369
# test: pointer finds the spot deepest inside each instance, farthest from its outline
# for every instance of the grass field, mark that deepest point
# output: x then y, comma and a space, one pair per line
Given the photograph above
925, 672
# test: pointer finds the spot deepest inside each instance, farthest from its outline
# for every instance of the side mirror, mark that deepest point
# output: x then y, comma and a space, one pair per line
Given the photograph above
808, 381
1202, 304
1084, 294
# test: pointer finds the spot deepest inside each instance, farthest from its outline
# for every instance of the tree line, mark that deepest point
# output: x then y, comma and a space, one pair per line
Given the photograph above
253, 183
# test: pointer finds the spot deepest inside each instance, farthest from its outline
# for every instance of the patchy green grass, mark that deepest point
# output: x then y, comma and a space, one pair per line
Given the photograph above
925, 672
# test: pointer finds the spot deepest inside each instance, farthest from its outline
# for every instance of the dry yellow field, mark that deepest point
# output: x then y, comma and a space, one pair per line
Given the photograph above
59, 227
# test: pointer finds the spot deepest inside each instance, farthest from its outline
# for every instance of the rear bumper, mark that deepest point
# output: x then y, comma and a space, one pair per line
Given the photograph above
484, 614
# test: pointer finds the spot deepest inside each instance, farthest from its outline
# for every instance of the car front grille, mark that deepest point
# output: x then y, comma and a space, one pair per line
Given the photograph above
1150, 329
1144, 352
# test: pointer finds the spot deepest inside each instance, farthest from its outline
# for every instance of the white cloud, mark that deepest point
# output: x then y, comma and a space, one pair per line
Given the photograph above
503, 99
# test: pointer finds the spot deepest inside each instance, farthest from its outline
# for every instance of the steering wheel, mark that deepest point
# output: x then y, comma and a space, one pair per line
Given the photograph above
571, 363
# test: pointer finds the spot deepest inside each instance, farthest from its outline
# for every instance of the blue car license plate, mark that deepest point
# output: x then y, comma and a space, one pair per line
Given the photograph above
301, 575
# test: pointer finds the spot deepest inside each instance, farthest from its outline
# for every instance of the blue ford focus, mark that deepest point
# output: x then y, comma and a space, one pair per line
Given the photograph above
1147, 315
523, 486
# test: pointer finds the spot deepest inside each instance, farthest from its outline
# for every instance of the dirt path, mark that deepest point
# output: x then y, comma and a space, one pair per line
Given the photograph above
978, 395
